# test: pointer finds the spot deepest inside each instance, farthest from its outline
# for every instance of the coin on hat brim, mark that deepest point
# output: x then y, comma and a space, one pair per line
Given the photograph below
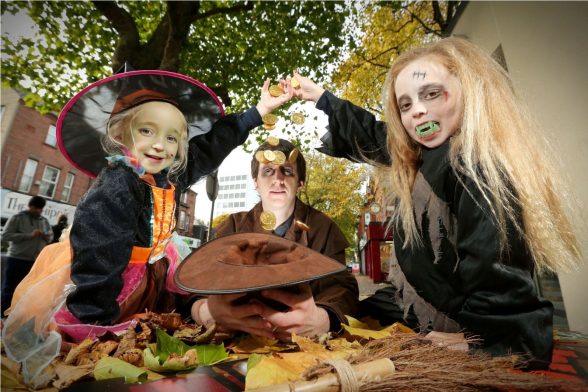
260, 157
269, 155
295, 83
297, 118
268, 220
302, 225
276, 90
272, 141
280, 158
268, 127
269, 119
293, 156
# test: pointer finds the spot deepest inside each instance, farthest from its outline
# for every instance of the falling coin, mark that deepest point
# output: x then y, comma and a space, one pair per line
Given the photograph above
269, 155
260, 157
276, 90
295, 83
280, 158
273, 141
268, 220
293, 156
268, 127
302, 226
269, 119
297, 118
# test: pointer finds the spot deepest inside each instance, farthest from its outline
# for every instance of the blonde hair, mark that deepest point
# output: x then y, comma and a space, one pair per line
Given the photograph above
498, 147
121, 123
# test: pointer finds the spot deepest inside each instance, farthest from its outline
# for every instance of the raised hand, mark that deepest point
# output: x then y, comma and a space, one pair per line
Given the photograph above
308, 90
267, 102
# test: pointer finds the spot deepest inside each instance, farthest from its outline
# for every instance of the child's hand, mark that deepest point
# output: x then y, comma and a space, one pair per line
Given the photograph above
267, 102
308, 90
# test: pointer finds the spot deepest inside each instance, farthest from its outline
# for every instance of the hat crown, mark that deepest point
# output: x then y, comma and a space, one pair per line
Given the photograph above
262, 252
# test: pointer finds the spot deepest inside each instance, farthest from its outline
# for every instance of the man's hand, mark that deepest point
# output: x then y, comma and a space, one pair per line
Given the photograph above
222, 310
37, 233
304, 318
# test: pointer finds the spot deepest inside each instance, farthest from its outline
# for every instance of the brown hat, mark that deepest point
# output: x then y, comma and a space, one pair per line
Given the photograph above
251, 261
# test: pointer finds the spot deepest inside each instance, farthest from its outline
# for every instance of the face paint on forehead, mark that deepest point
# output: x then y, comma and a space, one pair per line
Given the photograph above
419, 75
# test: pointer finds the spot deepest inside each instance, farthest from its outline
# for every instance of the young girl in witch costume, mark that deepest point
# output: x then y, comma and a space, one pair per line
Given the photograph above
477, 204
162, 131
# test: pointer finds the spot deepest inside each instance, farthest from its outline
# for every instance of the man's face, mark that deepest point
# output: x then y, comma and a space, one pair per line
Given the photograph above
35, 211
277, 185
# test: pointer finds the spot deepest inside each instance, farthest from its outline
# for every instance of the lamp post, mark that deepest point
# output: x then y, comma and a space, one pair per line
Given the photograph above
212, 192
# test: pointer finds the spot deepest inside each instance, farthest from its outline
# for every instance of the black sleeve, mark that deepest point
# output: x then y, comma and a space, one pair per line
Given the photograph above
206, 152
354, 133
102, 238
501, 304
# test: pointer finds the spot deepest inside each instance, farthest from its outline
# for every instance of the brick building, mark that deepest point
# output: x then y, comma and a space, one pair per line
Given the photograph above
33, 165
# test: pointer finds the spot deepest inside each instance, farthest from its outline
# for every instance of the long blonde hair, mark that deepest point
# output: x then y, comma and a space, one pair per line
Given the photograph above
498, 147
123, 122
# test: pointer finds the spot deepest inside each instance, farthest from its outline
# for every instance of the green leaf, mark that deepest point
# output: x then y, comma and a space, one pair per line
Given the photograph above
167, 345
109, 367
253, 360
209, 354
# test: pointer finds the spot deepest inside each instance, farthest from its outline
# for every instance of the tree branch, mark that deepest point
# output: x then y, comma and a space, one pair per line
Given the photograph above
123, 23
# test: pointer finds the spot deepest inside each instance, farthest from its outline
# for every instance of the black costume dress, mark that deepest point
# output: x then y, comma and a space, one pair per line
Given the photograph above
458, 279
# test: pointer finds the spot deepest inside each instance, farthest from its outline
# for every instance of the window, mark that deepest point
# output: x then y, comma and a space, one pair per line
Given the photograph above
232, 178
182, 222
49, 182
27, 176
185, 198
187, 227
51, 138
67, 185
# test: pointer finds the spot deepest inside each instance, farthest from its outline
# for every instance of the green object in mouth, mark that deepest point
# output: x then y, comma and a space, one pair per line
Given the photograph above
427, 129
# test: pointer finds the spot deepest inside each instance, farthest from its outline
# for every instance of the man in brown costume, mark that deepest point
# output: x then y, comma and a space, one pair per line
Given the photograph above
318, 306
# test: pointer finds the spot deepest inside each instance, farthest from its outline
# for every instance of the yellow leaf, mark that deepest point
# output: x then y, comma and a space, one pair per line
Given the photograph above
308, 346
279, 368
398, 327
365, 333
251, 344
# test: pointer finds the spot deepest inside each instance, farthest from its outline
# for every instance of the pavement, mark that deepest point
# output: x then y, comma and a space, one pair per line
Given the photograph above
367, 286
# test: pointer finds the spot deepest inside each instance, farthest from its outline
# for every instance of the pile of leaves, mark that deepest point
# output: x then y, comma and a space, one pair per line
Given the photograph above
154, 344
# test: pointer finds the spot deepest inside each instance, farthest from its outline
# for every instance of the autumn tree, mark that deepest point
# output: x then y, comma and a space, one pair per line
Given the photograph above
378, 33
232, 46
219, 219
334, 187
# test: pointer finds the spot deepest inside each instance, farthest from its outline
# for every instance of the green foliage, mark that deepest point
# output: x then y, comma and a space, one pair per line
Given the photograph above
231, 46
333, 186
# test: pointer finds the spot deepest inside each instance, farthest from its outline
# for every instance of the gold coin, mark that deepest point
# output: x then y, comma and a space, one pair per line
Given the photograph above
293, 156
302, 226
295, 83
276, 90
297, 118
260, 157
269, 155
268, 127
268, 220
280, 158
269, 119
272, 141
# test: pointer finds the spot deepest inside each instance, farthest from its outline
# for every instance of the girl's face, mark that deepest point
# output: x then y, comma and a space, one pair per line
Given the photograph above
155, 135
429, 100
277, 185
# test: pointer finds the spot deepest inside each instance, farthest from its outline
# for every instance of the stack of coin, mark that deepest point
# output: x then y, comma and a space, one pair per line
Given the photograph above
297, 118
269, 121
268, 220
276, 90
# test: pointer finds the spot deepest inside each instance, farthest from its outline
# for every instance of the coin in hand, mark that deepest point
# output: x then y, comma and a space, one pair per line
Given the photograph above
276, 90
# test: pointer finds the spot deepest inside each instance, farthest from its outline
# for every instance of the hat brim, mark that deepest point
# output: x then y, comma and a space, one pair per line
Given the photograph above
82, 123
206, 272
